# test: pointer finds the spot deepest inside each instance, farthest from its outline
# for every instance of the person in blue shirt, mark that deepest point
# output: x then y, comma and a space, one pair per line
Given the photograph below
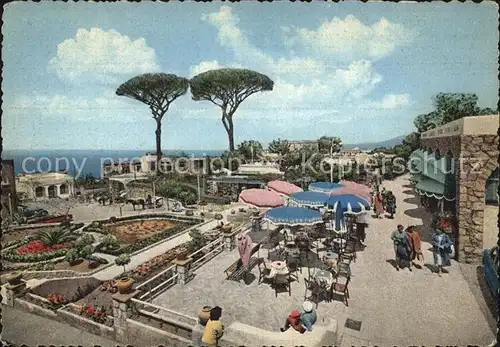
302, 320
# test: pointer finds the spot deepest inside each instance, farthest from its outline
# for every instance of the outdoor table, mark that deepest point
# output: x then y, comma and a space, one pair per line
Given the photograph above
330, 258
338, 242
278, 268
324, 277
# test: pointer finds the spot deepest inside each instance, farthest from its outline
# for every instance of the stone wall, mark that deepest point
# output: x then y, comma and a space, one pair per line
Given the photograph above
479, 158
443, 144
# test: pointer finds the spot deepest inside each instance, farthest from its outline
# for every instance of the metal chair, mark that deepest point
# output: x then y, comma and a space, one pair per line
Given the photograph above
341, 289
318, 291
282, 281
264, 271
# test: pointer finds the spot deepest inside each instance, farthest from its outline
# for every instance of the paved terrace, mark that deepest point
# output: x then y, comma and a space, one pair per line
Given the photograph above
251, 304
395, 308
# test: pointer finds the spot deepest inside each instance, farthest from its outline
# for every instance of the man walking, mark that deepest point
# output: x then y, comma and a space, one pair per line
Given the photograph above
398, 238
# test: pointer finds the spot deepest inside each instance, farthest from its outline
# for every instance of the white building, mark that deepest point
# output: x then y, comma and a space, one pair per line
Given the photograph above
45, 185
259, 169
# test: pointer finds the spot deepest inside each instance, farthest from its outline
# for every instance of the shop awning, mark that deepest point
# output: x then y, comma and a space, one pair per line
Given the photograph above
431, 188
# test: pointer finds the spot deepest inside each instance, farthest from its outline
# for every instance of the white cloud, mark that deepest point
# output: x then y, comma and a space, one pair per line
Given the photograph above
108, 108
391, 101
309, 86
102, 56
203, 67
352, 39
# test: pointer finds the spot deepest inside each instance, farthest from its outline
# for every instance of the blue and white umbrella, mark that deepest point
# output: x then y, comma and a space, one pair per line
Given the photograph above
292, 216
309, 199
324, 187
346, 204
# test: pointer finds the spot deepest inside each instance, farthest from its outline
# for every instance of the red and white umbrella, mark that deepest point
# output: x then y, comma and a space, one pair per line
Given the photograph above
350, 187
261, 198
283, 187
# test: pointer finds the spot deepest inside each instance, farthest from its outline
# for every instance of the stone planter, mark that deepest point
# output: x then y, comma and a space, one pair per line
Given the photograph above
204, 315
14, 278
182, 255
75, 262
124, 285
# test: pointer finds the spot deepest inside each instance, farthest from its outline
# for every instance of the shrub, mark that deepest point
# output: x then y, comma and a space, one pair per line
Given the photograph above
72, 255
55, 236
122, 260
109, 241
86, 251
84, 240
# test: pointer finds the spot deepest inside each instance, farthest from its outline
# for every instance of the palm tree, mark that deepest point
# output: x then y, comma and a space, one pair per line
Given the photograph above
56, 236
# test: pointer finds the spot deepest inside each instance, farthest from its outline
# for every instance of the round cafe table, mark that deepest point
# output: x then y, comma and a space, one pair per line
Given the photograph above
330, 259
278, 268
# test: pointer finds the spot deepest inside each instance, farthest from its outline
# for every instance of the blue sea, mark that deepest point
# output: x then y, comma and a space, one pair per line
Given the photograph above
26, 161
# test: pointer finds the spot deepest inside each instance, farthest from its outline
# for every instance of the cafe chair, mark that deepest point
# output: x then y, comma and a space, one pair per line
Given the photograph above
318, 291
264, 271
340, 289
282, 281
293, 264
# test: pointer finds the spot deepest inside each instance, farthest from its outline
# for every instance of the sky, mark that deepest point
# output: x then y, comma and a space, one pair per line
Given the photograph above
360, 71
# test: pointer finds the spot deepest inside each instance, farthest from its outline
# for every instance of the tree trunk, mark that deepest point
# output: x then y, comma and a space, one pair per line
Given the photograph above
230, 133
158, 145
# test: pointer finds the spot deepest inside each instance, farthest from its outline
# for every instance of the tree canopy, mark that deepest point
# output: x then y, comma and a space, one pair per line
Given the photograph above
329, 144
228, 88
250, 150
158, 91
279, 146
450, 107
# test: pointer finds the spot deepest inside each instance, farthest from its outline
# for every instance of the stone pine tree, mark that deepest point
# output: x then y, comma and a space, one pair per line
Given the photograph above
158, 91
228, 88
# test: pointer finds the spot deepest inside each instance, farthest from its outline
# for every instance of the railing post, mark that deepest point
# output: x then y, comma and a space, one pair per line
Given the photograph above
122, 305
229, 240
12, 291
183, 269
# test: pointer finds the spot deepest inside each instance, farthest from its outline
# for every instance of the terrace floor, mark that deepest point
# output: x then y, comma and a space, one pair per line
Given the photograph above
252, 304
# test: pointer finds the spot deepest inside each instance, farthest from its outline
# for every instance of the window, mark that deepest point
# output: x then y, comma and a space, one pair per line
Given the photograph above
491, 193
63, 189
39, 192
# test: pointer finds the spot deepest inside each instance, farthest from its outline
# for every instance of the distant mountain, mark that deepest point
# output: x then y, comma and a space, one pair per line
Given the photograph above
372, 145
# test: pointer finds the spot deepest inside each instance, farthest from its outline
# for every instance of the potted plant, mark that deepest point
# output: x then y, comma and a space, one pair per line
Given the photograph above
14, 278
182, 254
124, 284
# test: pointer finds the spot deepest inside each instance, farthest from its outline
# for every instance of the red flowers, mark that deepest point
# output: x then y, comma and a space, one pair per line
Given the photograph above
38, 246
97, 314
57, 299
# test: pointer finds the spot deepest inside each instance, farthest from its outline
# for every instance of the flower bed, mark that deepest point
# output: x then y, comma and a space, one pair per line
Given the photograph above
96, 313
39, 254
37, 246
136, 246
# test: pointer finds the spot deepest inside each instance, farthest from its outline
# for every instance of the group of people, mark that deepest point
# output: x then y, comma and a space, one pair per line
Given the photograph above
383, 201
301, 320
408, 249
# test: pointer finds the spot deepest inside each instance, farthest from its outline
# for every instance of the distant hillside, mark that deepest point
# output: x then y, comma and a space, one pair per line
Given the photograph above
372, 145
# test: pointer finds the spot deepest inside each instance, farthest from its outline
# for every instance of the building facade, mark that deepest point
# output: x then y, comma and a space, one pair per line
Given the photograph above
45, 185
471, 145
299, 145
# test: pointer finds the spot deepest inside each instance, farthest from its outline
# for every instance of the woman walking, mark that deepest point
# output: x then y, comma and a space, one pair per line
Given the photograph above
416, 244
441, 249
379, 205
